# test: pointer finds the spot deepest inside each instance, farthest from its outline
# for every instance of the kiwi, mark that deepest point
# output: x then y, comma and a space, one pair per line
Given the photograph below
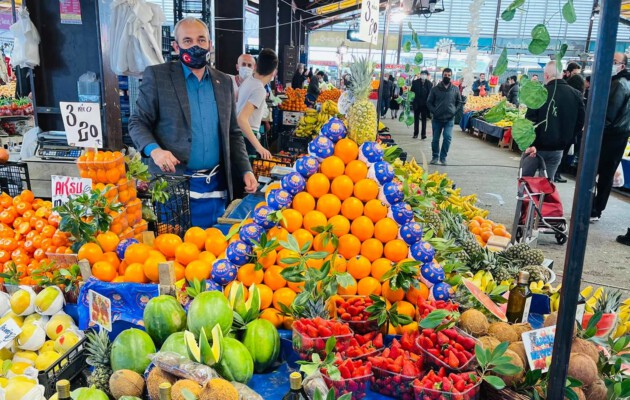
474, 322
522, 328
503, 331
585, 347
582, 368
489, 342
519, 349
157, 376
125, 382
552, 319
597, 391
516, 361
184, 384
218, 389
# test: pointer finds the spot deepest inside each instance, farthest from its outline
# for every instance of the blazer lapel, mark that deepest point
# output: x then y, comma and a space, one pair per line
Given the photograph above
179, 83
221, 93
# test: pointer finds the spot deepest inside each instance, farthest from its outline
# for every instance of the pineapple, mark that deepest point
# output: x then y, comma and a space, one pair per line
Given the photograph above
609, 302
432, 220
362, 114
537, 273
98, 348
533, 257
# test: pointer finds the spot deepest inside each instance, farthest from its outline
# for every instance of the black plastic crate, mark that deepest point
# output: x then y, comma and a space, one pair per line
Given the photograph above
293, 144
71, 366
173, 216
14, 178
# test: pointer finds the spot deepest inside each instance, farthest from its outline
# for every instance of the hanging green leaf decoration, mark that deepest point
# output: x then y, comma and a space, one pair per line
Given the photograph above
533, 94
409, 120
568, 12
418, 58
523, 133
560, 56
496, 113
401, 82
407, 47
407, 67
502, 63
510, 11
540, 39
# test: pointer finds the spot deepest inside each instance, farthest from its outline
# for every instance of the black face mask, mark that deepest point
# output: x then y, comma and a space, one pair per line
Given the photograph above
194, 57
446, 80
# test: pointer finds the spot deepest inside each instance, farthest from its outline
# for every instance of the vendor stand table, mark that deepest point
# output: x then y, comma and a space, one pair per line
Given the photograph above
487, 128
466, 122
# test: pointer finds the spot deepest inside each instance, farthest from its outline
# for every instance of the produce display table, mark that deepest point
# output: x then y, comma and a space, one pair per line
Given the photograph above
466, 121
488, 129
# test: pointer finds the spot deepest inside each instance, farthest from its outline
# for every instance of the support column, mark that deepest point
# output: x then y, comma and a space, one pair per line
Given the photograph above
287, 51
268, 24
229, 34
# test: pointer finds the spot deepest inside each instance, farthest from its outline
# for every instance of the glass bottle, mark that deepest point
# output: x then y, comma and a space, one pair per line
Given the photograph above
164, 392
519, 300
297, 391
63, 389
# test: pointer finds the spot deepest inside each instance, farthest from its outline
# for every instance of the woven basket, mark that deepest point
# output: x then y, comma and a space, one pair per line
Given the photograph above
490, 393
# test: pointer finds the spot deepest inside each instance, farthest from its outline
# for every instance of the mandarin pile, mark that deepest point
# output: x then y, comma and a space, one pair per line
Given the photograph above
295, 100
485, 229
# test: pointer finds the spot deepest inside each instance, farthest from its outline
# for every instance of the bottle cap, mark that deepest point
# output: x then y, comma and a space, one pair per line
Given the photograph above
296, 381
164, 390
523, 277
63, 389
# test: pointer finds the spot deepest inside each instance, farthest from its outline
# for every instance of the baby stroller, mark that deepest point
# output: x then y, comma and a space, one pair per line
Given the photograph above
538, 207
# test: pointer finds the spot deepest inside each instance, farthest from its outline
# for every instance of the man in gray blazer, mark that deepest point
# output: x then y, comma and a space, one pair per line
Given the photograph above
185, 121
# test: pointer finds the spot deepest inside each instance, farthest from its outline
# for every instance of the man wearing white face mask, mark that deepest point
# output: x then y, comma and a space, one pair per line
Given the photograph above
421, 88
245, 67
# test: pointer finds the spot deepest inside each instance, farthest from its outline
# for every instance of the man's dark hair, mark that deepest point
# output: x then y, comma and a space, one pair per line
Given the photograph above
424, 71
447, 70
573, 66
514, 78
321, 73
536, 75
483, 73
588, 79
625, 59
267, 62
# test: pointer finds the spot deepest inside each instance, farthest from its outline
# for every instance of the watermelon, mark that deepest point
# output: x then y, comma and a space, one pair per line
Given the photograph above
484, 300
207, 310
175, 344
263, 342
163, 316
236, 363
131, 350
88, 394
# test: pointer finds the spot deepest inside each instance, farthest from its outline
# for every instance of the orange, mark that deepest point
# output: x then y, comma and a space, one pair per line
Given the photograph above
196, 236
216, 244
375, 210
198, 269
366, 190
151, 266
392, 295
499, 231
406, 308
104, 271
135, 273
303, 236
347, 150
27, 196
248, 275
329, 205
332, 167
356, 170
266, 296
137, 253
207, 257
213, 232
318, 243
380, 267
368, 286
359, 267
167, 243
363, 228
350, 290
352, 208
337, 263
89, 251
342, 187
282, 255
303, 202
272, 315
111, 258
268, 259
186, 253
486, 235
386, 230
297, 287
278, 233
292, 220
313, 219
283, 296
372, 249
413, 294
396, 250
349, 246
317, 185
340, 224
272, 186
273, 279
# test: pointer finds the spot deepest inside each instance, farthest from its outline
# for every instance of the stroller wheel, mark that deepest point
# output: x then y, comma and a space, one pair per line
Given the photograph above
560, 238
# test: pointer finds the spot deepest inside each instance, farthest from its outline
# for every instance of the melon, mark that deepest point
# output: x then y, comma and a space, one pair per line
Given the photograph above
88, 394
263, 342
236, 363
163, 316
485, 300
131, 350
175, 344
207, 310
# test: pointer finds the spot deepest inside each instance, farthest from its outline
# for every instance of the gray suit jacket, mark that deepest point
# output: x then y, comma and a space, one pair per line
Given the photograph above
162, 116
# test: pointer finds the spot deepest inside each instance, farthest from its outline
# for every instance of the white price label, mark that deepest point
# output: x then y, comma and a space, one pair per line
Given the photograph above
65, 186
82, 122
368, 27
8, 331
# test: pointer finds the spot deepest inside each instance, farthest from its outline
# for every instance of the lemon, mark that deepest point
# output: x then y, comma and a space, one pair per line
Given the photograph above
28, 357
66, 341
49, 345
38, 318
57, 324
5, 354
18, 368
23, 301
32, 337
5, 304
49, 301
3, 382
10, 314
18, 389
46, 359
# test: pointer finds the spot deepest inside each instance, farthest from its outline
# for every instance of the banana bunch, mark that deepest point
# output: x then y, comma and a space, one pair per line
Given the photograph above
484, 281
465, 205
329, 107
591, 295
623, 320
553, 293
310, 124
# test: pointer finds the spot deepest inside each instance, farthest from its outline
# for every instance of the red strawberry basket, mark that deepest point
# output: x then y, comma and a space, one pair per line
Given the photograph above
392, 384
351, 310
468, 393
457, 350
310, 336
355, 376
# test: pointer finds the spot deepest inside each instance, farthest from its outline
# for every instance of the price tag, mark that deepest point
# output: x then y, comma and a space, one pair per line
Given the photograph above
8, 331
539, 346
368, 27
100, 310
82, 122
65, 186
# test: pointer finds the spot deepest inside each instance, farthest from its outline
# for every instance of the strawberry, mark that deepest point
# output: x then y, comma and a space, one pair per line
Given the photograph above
453, 361
324, 331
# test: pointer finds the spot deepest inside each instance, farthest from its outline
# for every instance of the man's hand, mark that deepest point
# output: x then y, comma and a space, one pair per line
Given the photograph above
165, 160
531, 151
251, 184
264, 153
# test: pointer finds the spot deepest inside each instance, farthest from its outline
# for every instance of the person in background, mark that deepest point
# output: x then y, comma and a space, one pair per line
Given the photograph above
565, 74
443, 102
193, 133
312, 93
535, 78
512, 95
479, 83
574, 79
421, 87
624, 239
298, 77
393, 104
245, 68
504, 89
386, 93
251, 102
616, 133
587, 88
310, 73
561, 126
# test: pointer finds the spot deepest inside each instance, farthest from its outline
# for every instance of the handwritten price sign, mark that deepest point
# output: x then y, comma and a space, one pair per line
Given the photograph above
82, 122
65, 186
368, 28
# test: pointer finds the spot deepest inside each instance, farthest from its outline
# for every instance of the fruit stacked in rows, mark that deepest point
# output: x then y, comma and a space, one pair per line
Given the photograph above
485, 229
355, 374
28, 232
426, 307
105, 167
295, 100
395, 370
310, 336
363, 346
442, 386
351, 310
451, 348
329, 95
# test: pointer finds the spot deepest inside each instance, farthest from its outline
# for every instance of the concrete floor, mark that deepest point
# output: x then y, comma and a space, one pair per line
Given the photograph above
482, 167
